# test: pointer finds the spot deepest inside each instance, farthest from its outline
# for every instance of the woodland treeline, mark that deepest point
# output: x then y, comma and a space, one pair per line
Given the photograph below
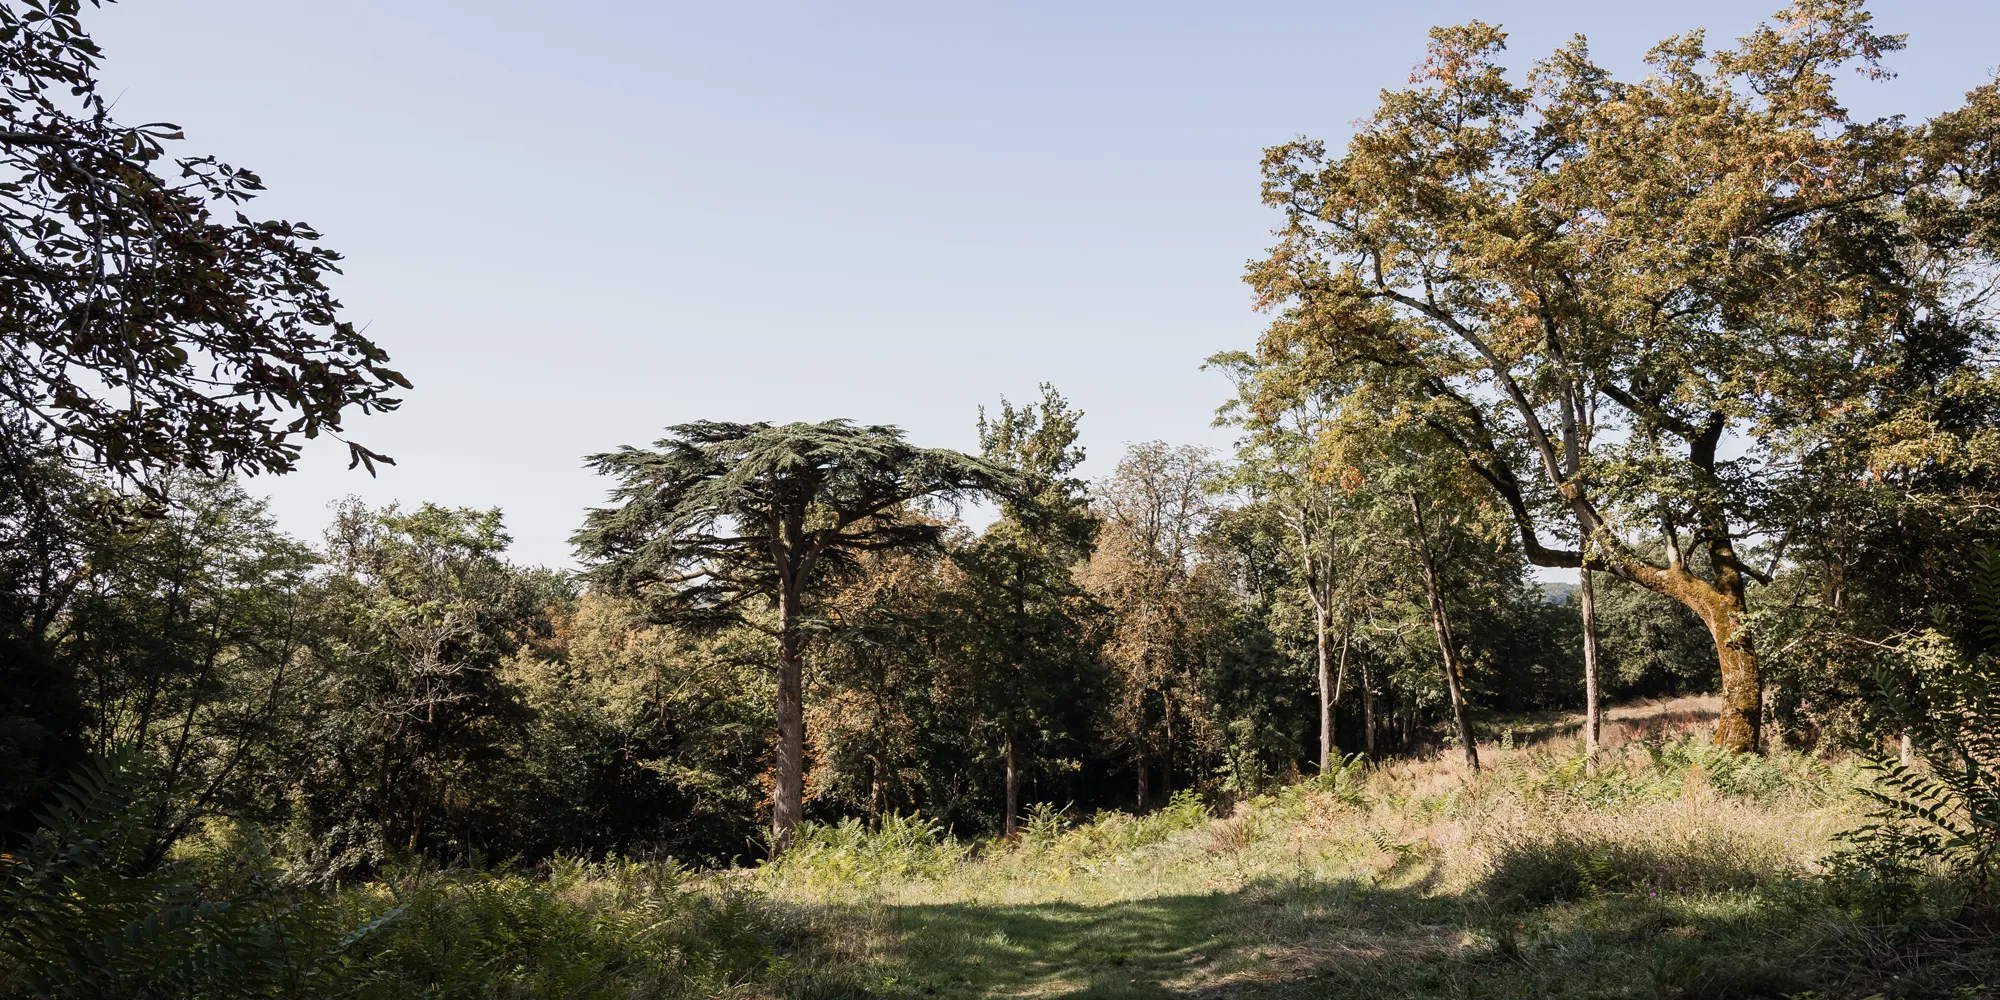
1716, 352
401, 687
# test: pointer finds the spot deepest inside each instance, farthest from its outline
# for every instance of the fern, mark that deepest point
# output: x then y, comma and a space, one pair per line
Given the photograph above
1942, 696
81, 915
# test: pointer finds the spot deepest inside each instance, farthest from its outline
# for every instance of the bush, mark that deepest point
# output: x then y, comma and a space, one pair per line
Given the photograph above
1944, 697
618, 929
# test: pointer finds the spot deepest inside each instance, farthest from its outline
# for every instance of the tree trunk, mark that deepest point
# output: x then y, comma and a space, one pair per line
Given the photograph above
1447, 646
874, 790
1742, 689
1012, 827
1367, 708
1740, 725
1141, 809
1330, 750
1325, 687
788, 797
1721, 606
1587, 603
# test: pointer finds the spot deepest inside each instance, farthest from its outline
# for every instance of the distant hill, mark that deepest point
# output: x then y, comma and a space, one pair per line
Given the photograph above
1557, 593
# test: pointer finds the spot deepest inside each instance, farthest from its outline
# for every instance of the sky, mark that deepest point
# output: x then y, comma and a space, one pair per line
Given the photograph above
572, 225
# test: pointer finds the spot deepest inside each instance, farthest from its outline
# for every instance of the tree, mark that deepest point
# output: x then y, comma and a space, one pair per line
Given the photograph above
1714, 252
1033, 625
149, 323
406, 745
641, 738
50, 519
1166, 603
724, 515
1278, 465
192, 636
1448, 648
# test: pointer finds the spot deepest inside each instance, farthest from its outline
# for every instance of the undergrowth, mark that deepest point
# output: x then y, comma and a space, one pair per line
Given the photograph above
1664, 868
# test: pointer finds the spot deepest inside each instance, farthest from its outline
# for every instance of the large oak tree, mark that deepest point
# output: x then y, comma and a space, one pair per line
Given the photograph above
1715, 260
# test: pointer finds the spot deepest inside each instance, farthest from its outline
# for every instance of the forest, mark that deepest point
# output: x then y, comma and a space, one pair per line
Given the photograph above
1602, 599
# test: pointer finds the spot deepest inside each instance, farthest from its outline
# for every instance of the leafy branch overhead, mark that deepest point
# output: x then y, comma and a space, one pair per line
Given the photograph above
147, 321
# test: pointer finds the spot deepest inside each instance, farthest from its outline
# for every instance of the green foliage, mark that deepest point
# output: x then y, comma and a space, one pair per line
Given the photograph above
405, 741
84, 915
1343, 782
850, 854
1537, 871
50, 517
80, 919
692, 531
640, 739
152, 324
1941, 696
1112, 834
1661, 769
193, 632
611, 930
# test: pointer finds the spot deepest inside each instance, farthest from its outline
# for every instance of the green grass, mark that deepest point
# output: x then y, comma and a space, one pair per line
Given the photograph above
1669, 872
1663, 869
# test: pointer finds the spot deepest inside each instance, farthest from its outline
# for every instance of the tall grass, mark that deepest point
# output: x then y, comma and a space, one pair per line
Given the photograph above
1713, 873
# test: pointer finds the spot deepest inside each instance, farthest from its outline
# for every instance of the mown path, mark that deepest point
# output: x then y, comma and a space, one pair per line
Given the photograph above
1338, 939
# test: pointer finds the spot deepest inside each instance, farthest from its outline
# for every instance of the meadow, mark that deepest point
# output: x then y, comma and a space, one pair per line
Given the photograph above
1664, 868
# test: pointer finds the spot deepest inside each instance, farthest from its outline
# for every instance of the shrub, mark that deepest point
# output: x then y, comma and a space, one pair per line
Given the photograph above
1233, 833
1941, 696
618, 929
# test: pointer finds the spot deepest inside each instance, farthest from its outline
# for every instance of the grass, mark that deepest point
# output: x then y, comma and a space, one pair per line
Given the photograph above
1670, 869
1664, 868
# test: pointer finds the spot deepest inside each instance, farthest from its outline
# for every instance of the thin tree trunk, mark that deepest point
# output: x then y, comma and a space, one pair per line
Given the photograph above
1012, 828
788, 798
1592, 725
1325, 686
1441, 624
874, 791
1329, 747
1143, 766
1367, 708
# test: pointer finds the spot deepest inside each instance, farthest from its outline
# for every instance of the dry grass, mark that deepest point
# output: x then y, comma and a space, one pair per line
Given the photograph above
1663, 868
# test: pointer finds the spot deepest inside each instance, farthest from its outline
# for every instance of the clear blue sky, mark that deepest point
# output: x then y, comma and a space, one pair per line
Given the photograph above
573, 224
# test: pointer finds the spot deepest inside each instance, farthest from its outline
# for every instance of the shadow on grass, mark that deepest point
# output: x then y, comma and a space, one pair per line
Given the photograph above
1345, 939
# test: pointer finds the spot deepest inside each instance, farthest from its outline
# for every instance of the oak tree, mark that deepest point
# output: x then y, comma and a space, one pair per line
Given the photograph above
1706, 258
